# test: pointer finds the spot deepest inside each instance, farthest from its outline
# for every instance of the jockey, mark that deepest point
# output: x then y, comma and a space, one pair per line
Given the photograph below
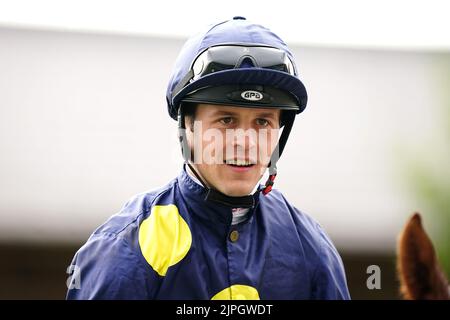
214, 232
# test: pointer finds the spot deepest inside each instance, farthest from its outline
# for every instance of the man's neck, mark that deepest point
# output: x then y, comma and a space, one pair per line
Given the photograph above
239, 214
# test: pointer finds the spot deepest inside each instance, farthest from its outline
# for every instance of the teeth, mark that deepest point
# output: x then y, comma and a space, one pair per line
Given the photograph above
239, 162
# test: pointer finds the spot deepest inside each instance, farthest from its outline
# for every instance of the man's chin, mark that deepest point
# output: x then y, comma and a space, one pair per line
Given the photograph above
237, 192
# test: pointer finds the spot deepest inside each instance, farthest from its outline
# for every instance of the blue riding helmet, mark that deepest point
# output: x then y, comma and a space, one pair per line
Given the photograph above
247, 56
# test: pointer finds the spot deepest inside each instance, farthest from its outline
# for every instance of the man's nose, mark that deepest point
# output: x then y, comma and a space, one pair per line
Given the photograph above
245, 138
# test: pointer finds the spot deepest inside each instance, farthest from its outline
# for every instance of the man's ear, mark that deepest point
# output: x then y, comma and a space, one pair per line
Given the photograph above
189, 122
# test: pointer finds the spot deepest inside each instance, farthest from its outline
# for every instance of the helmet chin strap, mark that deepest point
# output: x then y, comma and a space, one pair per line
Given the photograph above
217, 196
276, 154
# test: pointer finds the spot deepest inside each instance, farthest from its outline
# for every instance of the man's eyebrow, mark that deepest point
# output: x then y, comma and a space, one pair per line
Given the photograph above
224, 112
266, 115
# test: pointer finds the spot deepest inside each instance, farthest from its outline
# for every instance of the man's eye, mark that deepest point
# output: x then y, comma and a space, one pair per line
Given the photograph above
226, 120
262, 122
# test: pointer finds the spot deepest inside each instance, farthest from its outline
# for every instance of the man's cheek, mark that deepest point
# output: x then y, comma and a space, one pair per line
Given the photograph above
264, 152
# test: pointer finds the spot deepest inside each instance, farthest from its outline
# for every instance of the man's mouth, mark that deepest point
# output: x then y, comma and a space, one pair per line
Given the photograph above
239, 163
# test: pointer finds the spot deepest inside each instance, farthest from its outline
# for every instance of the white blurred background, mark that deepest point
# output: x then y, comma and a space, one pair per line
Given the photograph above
84, 124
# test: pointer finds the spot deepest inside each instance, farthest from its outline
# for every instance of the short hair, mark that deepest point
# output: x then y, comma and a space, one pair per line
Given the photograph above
189, 111
189, 108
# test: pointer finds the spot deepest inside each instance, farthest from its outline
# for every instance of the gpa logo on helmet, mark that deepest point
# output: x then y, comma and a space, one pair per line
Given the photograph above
252, 95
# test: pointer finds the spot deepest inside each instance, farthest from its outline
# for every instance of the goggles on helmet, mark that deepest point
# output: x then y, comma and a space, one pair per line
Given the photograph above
224, 57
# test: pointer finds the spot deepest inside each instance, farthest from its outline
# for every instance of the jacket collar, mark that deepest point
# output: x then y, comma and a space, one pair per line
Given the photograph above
195, 195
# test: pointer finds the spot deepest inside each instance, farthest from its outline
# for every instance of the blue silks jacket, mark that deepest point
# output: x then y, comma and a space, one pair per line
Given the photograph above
172, 244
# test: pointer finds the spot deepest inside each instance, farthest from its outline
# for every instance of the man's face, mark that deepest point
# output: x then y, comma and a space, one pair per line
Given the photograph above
232, 145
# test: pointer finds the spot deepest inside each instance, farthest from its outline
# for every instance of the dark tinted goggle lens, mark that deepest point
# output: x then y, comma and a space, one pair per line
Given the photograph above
226, 57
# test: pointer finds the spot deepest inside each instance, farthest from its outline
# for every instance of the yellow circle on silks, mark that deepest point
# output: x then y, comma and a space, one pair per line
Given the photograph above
237, 292
164, 238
